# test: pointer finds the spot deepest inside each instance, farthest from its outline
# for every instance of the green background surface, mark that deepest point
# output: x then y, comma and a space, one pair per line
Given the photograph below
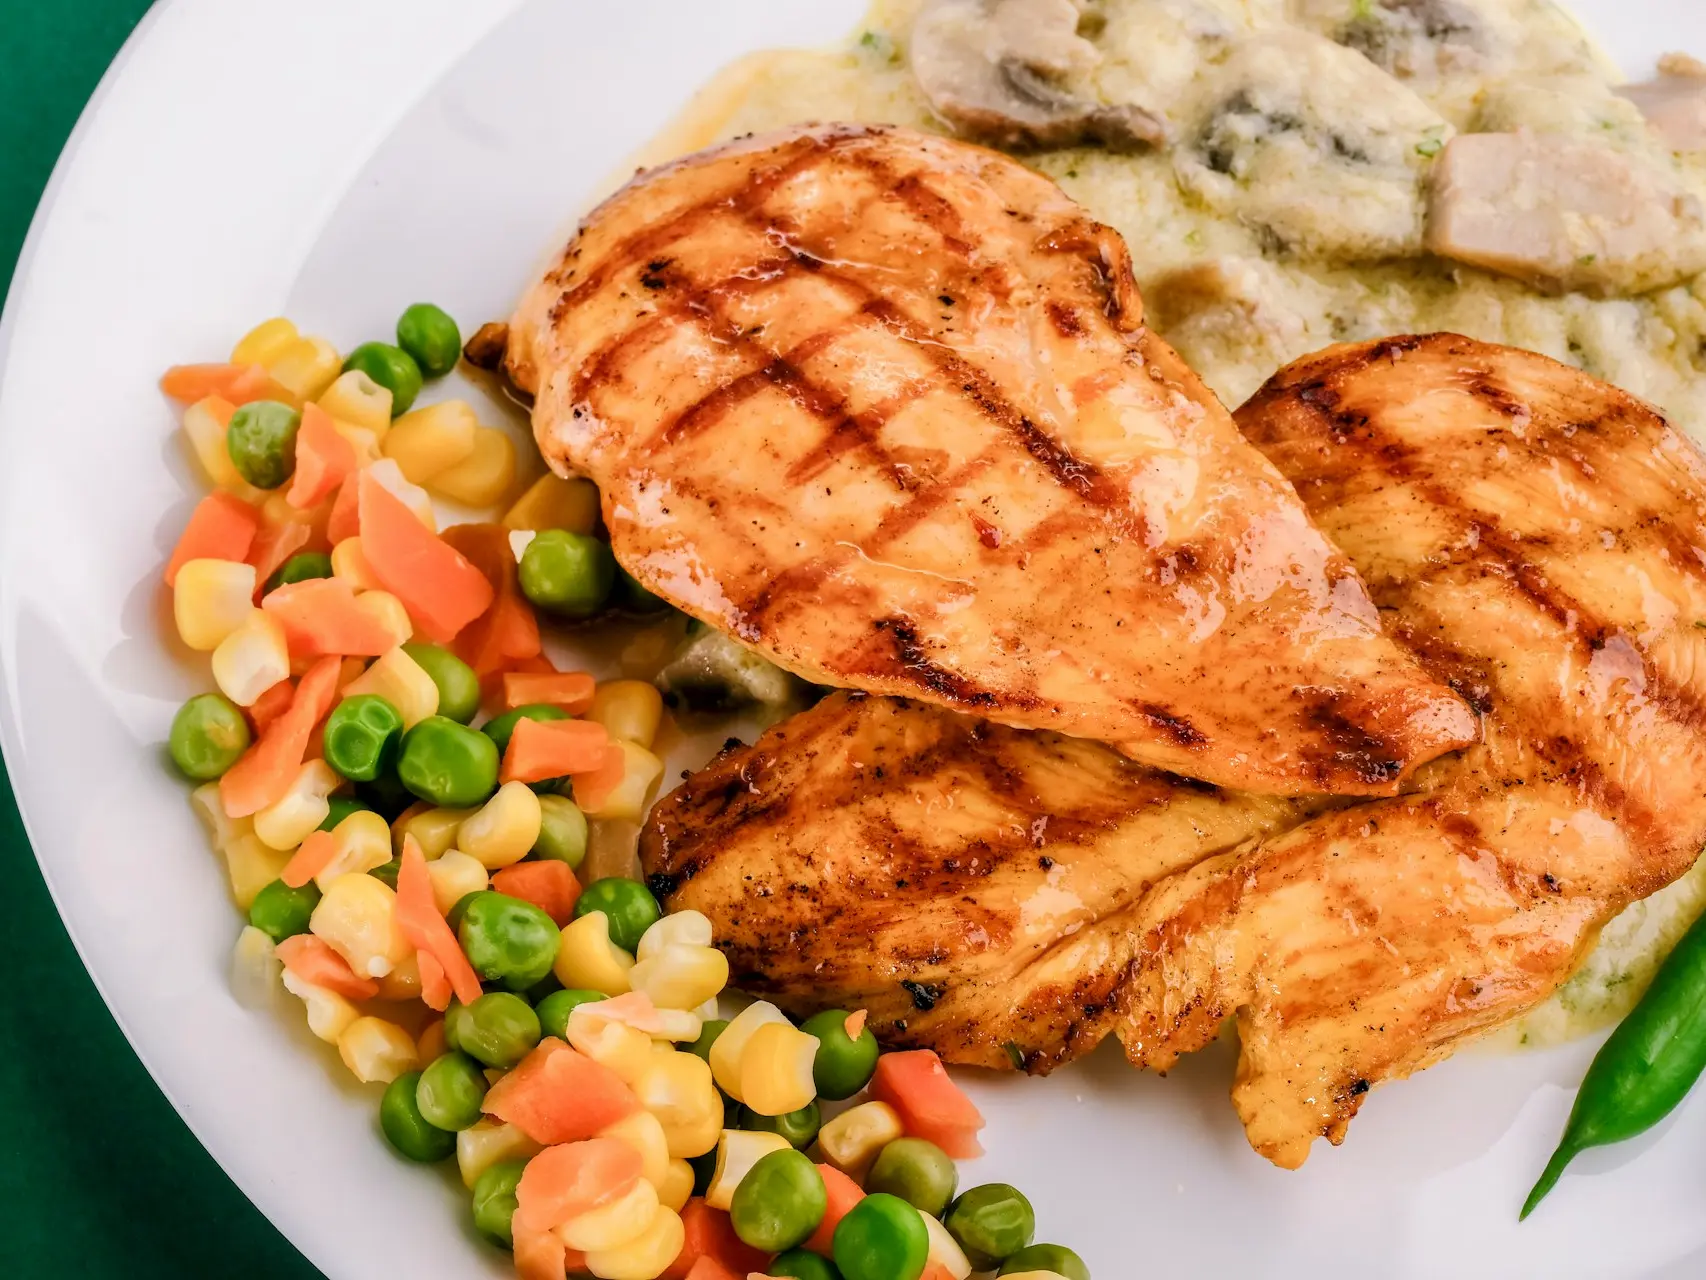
98, 1176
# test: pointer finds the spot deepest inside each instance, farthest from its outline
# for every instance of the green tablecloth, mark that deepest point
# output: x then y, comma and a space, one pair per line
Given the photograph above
98, 1176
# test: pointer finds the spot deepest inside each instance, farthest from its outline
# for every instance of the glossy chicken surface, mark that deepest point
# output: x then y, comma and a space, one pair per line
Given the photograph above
883, 407
1535, 537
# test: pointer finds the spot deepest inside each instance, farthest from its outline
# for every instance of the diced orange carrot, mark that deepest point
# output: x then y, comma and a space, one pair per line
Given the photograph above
570, 690
222, 527
313, 960
271, 705
558, 1095
265, 771
708, 1268
507, 632
324, 458
548, 884
936, 1271
238, 383
565, 1181
931, 1105
540, 749
274, 544
442, 591
539, 1255
593, 788
435, 986
345, 520
312, 857
424, 927
320, 616
711, 1238
844, 1193
854, 1025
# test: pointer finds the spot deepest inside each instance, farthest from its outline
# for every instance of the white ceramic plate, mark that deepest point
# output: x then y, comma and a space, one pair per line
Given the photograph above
357, 157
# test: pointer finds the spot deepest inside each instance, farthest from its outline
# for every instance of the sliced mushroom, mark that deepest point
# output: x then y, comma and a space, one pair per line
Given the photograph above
994, 69
1563, 214
1675, 102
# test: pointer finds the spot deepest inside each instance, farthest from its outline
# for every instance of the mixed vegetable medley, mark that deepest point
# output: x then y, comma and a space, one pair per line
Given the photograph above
404, 788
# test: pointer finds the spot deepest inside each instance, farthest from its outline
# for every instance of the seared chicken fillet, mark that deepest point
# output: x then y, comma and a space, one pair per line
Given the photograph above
1536, 537
883, 407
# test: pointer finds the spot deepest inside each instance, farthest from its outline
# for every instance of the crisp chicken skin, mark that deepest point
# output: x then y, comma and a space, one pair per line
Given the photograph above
883, 407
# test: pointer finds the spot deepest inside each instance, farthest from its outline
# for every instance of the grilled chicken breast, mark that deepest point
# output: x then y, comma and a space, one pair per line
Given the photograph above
1535, 537
883, 407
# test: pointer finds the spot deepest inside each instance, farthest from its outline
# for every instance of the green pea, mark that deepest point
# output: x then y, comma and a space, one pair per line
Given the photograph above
300, 568
404, 1127
455, 1018
554, 1009
881, 1238
843, 1065
341, 808
448, 764
991, 1223
635, 598
568, 574
494, 1200
562, 831
499, 1029
1046, 1257
803, 1265
459, 908
362, 736
281, 912
709, 1030
429, 335
450, 1091
627, 904
779, 1203
917, 1171
208, 735
392, 368
798, 1127
261, 439
386, 873
458, 686
508, 940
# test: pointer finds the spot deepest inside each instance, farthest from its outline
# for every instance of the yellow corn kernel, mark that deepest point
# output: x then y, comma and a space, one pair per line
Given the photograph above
485, 475
454, 876
201, 425
624, 1050
221, 827
485, 1142
350, 565
852, 1139
612, 1225
291, 819
211, 599
376, 1050
681, 977
306, 367
363, 842
430, 1045
776, 1069
390, 475
726, 1053
678, 1089
629, 709
329, 1014
255, 969
504, 829
642, 1132
587, 960
944, 1251
357, 918
252, 659
403, 983
400, 680
433, 829
677, 1188
388, 611
552, 502
737, 1152
358, 401
628, 800
684, 928
251, 866
425, 442
265, 342
646, 1256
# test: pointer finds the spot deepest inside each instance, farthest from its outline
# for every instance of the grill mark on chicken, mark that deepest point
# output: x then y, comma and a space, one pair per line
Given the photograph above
912, 656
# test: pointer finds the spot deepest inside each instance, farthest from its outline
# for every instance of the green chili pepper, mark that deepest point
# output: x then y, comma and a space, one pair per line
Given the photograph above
1647, 1066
